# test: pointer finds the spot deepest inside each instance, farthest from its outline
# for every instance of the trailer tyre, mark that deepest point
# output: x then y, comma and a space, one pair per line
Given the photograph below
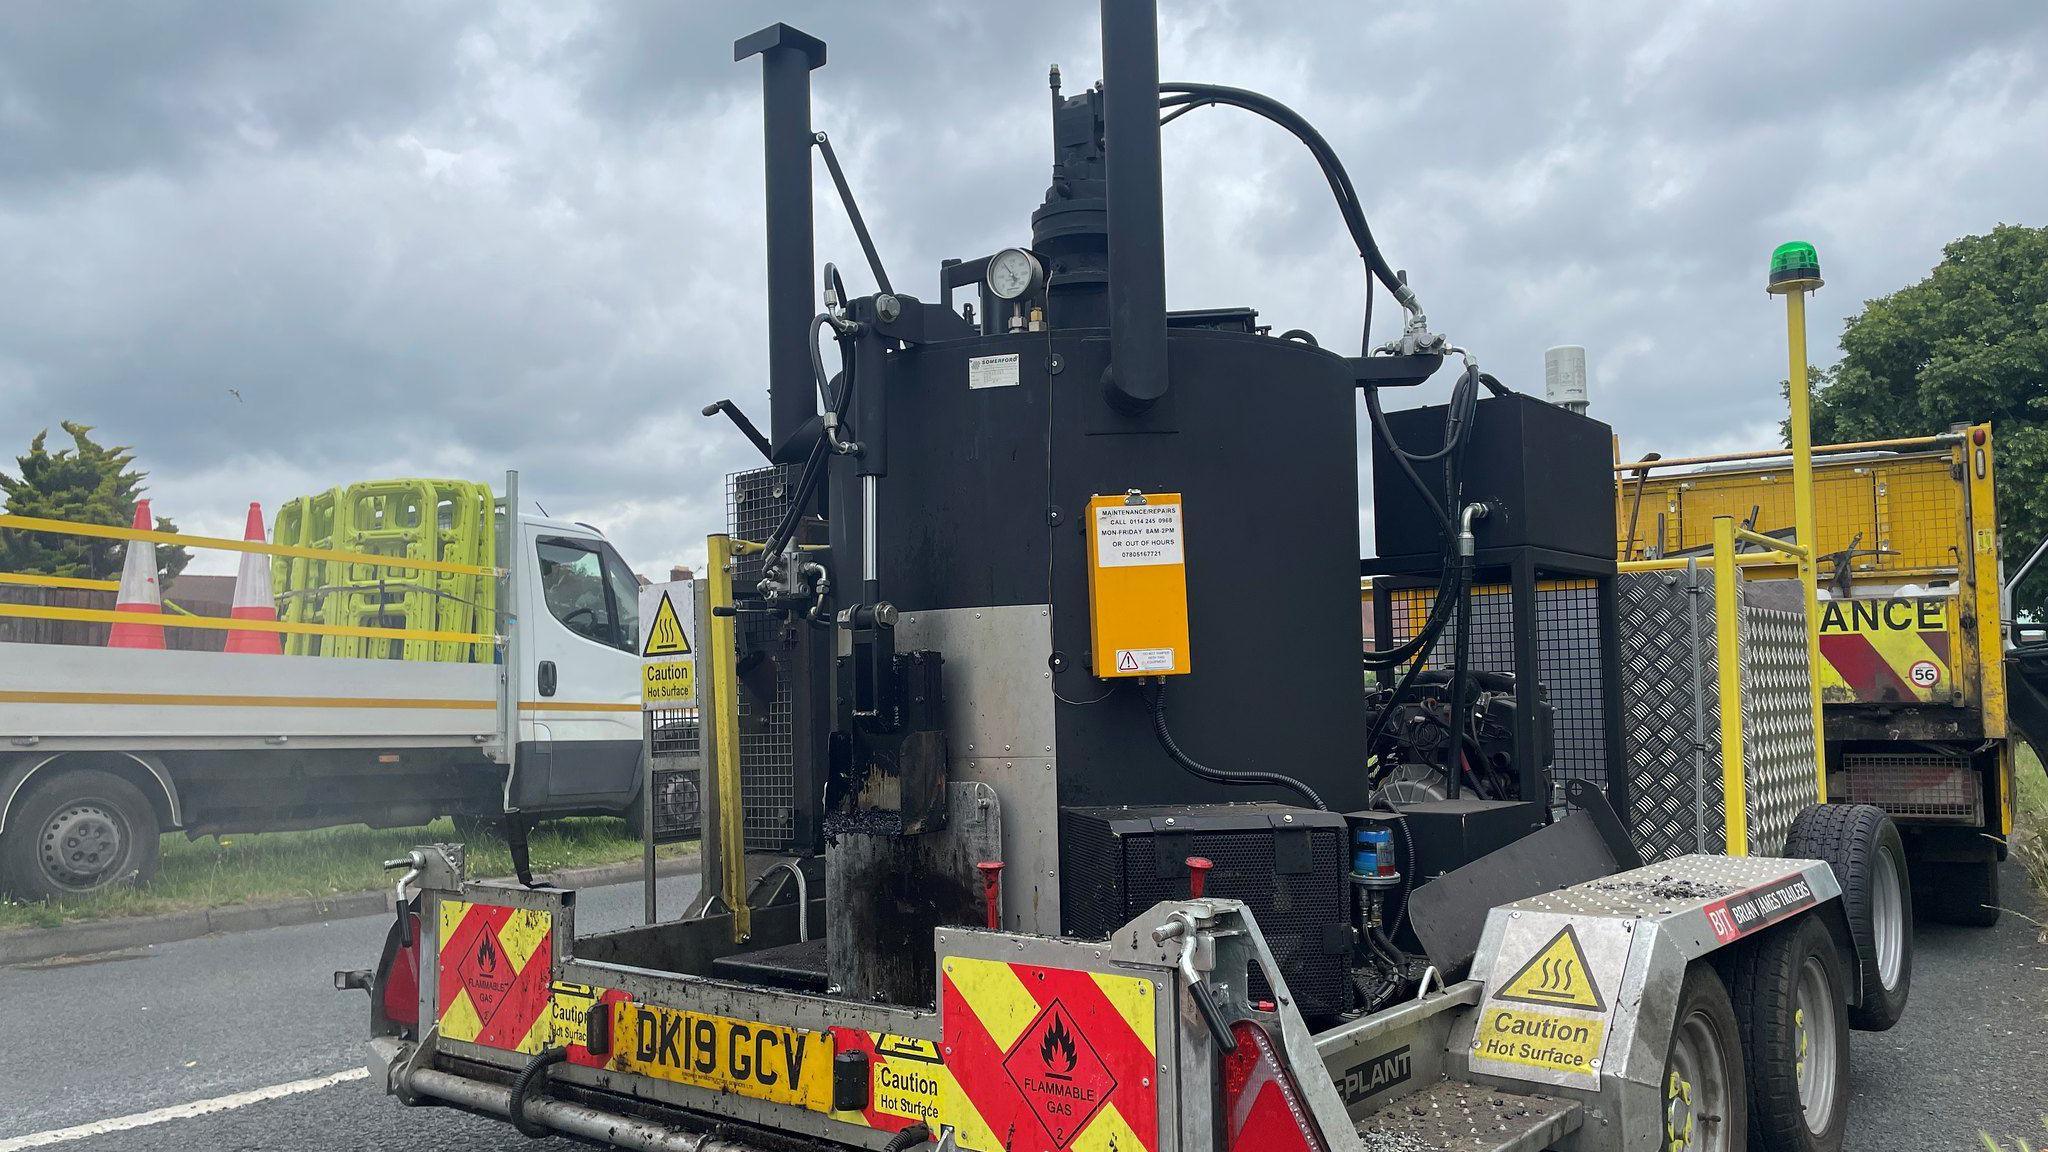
1703, 1074
78, 831
1963, 892
1788, 989
1862, 846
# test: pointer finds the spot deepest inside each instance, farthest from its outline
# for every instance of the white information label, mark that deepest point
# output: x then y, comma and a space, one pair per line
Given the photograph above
1127, 536
992, 371
1144, 659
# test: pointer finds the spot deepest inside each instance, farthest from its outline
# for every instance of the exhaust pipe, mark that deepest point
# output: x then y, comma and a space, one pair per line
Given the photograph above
1137, 228
573, 1120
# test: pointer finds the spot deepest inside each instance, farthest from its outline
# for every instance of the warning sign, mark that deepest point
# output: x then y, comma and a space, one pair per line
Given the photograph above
1048, 1059
1058, 1071
665, 636
1553, 983
1144, 659
1558, 975
668, 620
1566, 1044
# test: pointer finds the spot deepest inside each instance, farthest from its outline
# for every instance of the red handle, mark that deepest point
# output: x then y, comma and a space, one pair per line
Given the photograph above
992, 891
1198, 875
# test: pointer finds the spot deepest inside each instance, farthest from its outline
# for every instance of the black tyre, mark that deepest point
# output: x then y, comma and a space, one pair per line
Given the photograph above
1703, 1073
1957, 892
1862, 846
78, 831
1788, 988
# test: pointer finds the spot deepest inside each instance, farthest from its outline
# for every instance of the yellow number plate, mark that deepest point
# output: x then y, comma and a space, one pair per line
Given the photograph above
770, 1062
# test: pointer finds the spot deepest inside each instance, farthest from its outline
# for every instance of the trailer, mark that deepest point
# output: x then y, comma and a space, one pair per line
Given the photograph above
1042, 605
102, 749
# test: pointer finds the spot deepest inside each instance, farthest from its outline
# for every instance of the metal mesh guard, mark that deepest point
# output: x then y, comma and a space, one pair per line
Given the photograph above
1923, 785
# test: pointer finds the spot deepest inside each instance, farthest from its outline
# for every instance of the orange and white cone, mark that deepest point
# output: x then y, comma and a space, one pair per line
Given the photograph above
139, 593
253, 600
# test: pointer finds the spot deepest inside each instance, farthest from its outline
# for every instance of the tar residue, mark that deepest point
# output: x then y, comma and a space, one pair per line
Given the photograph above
1665, 887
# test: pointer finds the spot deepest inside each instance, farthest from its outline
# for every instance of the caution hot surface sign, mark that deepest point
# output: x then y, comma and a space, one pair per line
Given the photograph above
668, 629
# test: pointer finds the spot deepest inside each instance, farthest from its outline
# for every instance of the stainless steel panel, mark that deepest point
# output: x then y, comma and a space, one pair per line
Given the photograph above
999, 720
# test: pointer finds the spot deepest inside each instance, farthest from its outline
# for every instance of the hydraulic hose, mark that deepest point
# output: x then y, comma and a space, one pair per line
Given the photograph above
1202, 771
533, 1076
912, 1137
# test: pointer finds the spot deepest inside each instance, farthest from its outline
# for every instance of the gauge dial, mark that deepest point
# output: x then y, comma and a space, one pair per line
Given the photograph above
1013, 272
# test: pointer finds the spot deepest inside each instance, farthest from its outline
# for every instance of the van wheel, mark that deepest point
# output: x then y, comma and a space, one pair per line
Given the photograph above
1789, 998
1961, 892
79, 831
1862, 847
1703, 1090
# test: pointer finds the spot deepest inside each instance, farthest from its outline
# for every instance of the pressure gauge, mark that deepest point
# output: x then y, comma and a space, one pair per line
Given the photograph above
1013, 272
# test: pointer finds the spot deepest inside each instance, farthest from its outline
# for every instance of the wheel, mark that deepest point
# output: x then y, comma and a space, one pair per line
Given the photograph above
80, 830
1961, 892
1703, 1104
1862, 846
1788, 991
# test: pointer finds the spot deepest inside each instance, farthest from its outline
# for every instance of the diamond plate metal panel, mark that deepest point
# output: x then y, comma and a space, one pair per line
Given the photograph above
1779, 763
1671, 713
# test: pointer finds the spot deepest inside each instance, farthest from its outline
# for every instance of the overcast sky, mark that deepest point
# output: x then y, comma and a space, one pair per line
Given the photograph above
454, 238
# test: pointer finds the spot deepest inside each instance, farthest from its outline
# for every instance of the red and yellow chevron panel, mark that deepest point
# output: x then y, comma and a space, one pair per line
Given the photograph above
496, 987
1048, 1059
1887, 650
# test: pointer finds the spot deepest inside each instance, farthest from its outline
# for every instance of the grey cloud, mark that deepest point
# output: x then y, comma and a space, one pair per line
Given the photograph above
466, 237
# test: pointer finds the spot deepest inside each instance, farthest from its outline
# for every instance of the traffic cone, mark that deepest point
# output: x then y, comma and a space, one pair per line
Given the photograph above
139, 593
253, 600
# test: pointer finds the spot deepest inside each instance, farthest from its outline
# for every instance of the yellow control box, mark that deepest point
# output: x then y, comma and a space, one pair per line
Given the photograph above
1137, 585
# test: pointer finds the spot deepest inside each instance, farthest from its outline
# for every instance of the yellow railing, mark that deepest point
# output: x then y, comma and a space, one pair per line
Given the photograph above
221, 623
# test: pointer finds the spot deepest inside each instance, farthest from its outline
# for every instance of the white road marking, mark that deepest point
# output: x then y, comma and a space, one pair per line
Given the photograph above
181, 1111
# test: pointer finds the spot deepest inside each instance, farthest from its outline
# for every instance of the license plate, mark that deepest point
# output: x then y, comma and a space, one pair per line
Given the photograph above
770, 1062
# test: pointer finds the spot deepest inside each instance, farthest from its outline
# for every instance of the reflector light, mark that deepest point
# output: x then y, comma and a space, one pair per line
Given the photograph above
1262, 1111
401, 981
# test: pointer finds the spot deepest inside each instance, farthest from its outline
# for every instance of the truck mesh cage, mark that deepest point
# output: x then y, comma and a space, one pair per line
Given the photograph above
1925, 785
755, 502
1567, 653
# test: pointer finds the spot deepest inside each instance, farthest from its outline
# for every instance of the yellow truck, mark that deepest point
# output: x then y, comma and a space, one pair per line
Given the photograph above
1914, 673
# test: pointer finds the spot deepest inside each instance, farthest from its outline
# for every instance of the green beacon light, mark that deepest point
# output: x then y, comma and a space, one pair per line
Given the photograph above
1795, 267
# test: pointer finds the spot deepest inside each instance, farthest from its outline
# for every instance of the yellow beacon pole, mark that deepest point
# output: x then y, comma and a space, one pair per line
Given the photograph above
1795, 271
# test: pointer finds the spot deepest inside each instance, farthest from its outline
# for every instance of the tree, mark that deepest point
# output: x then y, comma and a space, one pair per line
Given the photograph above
87, 484
1967, 344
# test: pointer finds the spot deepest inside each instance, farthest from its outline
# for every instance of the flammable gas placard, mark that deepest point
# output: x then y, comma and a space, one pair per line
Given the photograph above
1551, 993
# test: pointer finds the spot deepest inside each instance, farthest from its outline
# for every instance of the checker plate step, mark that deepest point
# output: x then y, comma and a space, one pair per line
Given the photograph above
1453, 1116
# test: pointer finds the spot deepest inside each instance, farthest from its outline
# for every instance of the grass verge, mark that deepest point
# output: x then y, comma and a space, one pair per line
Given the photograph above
2030, 826
221, 871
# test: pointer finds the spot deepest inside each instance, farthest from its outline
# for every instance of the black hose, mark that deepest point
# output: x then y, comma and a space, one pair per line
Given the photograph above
1202, 771
533, 1076
909, 1138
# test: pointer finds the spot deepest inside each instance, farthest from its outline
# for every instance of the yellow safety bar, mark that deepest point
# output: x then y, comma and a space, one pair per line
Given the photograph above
229, 624
109, 532
1902, 444
71, 583
724, 681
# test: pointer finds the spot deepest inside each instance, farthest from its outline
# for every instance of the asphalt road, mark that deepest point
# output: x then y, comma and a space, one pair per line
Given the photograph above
201, 1019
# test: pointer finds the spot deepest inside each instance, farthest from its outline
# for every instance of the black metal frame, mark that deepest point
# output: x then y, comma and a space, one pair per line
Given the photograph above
1522, 569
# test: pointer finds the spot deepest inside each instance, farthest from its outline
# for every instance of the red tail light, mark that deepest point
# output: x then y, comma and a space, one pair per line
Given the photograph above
399, 983
1262, 1111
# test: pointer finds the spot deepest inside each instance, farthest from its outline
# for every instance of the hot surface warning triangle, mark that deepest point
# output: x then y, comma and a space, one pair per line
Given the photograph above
666, 637
1557, 975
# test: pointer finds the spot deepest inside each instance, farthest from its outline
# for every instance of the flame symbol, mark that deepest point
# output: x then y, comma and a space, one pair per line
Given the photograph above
1057, 1043
487, 957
